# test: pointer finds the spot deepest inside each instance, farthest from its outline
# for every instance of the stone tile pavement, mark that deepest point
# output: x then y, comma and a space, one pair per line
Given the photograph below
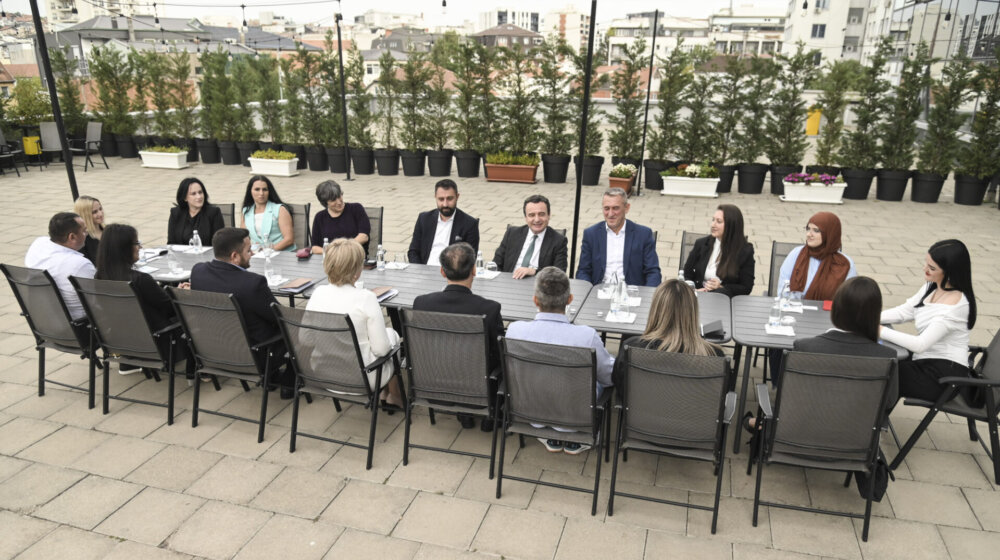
76, 484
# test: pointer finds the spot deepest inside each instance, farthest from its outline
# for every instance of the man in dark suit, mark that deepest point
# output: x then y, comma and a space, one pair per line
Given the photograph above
228, 274
618, 246
532, 247
439, 228
458, 266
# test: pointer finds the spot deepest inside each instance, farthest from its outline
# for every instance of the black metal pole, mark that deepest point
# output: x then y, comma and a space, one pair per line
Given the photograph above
583, 133
56, 113
343, 96
645, 116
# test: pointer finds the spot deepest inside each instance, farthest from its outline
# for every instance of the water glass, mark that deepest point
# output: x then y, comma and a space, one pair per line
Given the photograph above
491, 266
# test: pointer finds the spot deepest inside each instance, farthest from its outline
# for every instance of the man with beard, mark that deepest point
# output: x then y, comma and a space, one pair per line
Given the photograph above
437, 229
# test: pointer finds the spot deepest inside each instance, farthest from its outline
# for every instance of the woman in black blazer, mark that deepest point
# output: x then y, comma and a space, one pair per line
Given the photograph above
193, 212
723, 261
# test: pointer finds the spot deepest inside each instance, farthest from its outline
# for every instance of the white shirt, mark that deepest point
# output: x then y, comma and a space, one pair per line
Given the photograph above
711, 269
943, 331
615, 263
524, 249
442, 238
61, 262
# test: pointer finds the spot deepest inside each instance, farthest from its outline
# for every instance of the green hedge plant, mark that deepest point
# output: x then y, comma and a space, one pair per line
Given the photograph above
860, 146
898, 132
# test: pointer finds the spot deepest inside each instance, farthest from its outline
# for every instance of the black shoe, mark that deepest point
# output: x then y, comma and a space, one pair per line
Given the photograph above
486, 425
467, 421
287, 393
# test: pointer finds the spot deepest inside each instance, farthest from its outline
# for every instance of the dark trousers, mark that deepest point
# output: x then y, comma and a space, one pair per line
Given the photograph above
919, 378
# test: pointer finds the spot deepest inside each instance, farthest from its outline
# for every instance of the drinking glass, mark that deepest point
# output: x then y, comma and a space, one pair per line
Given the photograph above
491, 266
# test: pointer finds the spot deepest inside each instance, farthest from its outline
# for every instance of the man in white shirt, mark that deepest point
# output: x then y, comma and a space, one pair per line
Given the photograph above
533, 246
443, 226
60, 255
618, 247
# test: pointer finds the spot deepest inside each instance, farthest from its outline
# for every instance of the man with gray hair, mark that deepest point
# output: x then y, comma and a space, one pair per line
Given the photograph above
552, 326
618, 248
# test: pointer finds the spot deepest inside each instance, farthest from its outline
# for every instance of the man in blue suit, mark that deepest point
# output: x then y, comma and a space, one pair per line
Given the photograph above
618, 246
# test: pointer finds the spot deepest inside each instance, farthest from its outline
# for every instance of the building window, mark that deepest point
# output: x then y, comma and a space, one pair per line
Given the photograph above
720, 47
822, 4
767, 47
819, 31
855, 15
5, 91
502, 41
817, 59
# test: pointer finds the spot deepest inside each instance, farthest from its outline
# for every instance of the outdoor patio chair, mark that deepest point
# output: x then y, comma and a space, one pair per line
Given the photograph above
114, 311
827, 415
447, 365
91, 144
300, 224
216, 332
48, 318
9, 152
779, 250
676, 405
326, 358
49, 142
552, 385
228, 214
986, 378
687, 245
375, 237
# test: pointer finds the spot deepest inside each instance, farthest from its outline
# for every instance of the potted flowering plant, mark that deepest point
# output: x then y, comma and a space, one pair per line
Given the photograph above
164, 157
813, 187
622, 176
695, 179
274, 162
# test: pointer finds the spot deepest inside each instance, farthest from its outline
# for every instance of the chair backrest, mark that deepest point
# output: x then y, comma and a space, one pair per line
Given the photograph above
673, 399
447, 356
216, 332
43, 307
50, 136
113, 308
324, 349
779, 250
300, 224
228, 214
687, 244
550, 384
94, 131
375, 237
830, 407
989, 367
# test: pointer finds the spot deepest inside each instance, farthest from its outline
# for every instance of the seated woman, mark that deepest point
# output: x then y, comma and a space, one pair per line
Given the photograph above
673, 326
818, 268
343, 262
265, 216
943, 311
193, 213
90, 209
722, 261
341, 219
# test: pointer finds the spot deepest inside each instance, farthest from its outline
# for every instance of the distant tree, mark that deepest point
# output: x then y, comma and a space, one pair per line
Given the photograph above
182, 93
68, 89
785, 122
414, 90
112, 77
838, 78
360, 124
554, 101
625, 137
388, 98
520, 132
446, 50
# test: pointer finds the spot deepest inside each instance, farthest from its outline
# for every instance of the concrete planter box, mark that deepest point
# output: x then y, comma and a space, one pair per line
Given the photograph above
820, 194
276, 167
164, 160
690, 186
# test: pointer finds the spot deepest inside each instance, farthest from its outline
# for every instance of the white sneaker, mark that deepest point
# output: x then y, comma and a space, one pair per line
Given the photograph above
126, 369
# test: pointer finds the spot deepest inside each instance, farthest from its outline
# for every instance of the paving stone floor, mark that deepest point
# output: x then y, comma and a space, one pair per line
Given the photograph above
78, 484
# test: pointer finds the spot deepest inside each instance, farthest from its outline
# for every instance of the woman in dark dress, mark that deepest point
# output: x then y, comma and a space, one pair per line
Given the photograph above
723, 261
193, 213
341, 219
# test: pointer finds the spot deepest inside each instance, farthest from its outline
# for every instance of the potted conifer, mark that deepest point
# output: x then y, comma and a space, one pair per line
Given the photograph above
332, 107
749, 137
265, 71
520, 133
245, 90
898, 132
387, 157
468, 64
589, 163
837, 79
439, 124
726, 119
979, 159
293, 116
696, 130
859, 150
665, 136
413, 99
185, 121
312, 102
112, 77
786, 142
625, 136
360, 124
556, 108
488, 106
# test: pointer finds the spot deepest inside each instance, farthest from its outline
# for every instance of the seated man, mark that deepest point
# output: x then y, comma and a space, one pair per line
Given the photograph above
228, 274
552, 326
439, 228
525, 254
618, 247
458, 266
60, 255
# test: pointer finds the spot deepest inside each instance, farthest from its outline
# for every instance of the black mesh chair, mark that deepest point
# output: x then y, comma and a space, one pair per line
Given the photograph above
89, 145
677, 405
375, 237
48, 318
216, 332
688, 239
827, 415
447, 363
10, 151
552, 385
986, 378
300, 224
324, 353
228, 214
48, 140
113, 309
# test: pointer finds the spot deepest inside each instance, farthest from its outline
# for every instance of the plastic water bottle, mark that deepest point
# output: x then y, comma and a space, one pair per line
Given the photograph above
269, 271
326, 243
785, 295
623, 299
380, 258
774, 316
195, 240
172, 264
480, 266
680, 275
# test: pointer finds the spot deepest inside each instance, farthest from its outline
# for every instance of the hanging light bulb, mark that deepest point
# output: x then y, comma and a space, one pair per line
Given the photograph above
947, 16
444, 3
3, 12
156, 15
244, 8
805, 5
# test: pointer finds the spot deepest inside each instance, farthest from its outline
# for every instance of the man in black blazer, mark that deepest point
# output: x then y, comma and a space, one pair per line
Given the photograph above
443, 226
458, 266
534, 246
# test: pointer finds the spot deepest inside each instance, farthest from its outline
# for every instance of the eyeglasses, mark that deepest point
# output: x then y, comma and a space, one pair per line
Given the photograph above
812, 229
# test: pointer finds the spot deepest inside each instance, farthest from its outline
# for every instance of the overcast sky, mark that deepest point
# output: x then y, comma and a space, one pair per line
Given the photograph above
307, 11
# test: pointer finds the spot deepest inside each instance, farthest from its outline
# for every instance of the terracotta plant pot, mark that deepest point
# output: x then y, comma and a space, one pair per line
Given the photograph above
511, 173
624, 183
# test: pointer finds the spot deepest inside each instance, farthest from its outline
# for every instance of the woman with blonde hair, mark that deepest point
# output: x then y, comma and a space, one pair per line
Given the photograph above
90, 209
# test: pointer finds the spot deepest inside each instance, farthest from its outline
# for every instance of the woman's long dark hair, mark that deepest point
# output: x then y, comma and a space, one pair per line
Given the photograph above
115, 253
956, 265
733, 241
272, 195
182, 192
857, 307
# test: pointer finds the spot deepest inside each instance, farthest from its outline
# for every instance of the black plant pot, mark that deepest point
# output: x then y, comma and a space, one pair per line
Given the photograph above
750, 179
229, 153
387, 162
926, 187
555, 167
890, 184
300, 152
190, 145
141, 142
615, 160
778, 173
589, 169
970, 190
363, 161
208, 149
109, 148
316, 158
245, 149
725, 184
126, 148
414, 162
823, 169
467, 162
162, 141
439, 162
859, 183
652, 168
268, 145
336, 159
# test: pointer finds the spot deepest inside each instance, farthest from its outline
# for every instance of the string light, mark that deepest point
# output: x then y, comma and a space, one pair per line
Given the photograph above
3, 12
156, 15
244, 8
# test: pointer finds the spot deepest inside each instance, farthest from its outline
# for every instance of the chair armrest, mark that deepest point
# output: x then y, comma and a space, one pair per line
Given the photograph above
267, 343
381, 360
730, 407
969, 382
606, 394
168, 329
764, 400
975, 351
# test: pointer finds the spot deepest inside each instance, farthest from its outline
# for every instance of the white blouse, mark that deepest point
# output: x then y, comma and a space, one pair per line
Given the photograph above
711, 269
943, 331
